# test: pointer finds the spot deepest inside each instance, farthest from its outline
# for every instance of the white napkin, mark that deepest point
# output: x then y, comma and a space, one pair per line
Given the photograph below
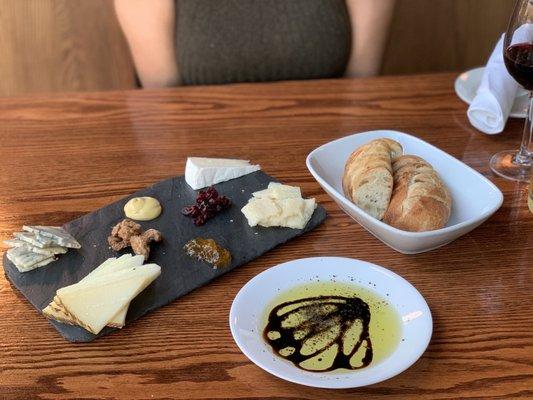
494, 99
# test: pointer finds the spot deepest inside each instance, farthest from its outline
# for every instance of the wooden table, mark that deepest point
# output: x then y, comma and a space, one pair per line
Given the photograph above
66, 155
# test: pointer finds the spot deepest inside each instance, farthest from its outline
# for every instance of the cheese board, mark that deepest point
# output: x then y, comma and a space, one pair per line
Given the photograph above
179, 273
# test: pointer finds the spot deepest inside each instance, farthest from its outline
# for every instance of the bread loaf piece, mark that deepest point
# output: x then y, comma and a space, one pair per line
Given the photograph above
368, 179
420, 200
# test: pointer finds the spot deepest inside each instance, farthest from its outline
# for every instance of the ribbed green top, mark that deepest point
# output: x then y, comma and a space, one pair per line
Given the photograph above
224, 41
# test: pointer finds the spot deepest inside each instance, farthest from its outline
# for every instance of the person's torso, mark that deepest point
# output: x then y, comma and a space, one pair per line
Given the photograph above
224, 41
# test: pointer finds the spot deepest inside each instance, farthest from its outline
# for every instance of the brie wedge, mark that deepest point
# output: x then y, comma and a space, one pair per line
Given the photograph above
203, 172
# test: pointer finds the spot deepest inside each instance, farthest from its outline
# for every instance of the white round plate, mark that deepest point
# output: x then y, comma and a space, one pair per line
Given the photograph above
249, 308
468, 82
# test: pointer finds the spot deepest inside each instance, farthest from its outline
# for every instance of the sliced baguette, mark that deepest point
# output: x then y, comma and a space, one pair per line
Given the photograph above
420, 200
368, 179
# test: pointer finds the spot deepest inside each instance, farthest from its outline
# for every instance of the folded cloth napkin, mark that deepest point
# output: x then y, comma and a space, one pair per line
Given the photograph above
494, 99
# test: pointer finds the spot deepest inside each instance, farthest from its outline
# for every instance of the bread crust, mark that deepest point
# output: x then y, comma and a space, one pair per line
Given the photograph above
420, 200
368, 179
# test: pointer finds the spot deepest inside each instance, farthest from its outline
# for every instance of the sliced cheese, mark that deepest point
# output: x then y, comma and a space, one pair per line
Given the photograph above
45, 250
34, 239
113, 264
56, 314
127, 261
26, 260
94, 304
279, 205
124, 262
202, 172
278, 191
257, 211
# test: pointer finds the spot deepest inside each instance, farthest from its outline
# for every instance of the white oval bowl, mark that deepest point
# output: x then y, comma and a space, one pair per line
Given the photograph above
474, 197
250, 307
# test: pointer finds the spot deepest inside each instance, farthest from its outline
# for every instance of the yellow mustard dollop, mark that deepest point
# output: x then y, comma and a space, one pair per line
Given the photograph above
142, 208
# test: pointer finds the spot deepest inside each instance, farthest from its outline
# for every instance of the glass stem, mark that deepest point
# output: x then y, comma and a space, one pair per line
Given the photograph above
525, 154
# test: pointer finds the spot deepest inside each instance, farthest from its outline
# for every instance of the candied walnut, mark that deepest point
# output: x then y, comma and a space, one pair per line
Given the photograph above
126, 229
152, 235
141, 244
117, 243
128, 233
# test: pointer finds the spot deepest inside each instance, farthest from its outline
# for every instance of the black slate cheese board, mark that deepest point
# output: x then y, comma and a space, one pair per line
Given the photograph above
179, 273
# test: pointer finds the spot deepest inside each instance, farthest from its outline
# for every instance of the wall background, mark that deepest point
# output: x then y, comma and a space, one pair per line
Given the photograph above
77, 45
444, 35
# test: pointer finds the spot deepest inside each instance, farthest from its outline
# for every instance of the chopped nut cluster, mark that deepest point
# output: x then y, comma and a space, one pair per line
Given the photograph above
129, 234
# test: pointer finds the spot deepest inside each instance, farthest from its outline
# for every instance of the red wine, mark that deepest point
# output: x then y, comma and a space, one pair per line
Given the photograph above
519, 62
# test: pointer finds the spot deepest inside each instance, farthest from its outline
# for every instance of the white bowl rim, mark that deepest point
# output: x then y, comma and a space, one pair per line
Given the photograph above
425, 234
328, 384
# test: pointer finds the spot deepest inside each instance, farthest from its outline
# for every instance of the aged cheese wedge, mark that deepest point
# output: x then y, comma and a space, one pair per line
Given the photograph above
260, 210
94, 304
202, 172
277, 191
279, 205
127, 261
56, 314
112, 265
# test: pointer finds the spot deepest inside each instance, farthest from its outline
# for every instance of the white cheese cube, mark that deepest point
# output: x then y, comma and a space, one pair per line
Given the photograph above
203, 172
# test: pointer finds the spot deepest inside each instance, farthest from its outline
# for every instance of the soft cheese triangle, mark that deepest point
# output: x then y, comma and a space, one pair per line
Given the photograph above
203, 172
93, 305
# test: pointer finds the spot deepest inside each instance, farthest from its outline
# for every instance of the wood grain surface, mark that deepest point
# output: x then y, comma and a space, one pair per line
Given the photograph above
62, 45
65, 155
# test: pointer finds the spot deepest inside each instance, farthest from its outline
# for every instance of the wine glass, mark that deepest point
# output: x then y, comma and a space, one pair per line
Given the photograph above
518, 57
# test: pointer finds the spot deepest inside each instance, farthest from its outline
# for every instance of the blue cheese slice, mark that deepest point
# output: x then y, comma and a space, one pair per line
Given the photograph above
45, 250
57, 235
26, 260
202, 172
34, 239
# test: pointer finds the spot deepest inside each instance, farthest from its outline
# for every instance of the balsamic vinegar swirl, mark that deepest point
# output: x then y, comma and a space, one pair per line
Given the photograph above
308, 328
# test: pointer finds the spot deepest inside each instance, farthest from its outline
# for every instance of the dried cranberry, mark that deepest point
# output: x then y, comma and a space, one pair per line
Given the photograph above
190, 211
208, 204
